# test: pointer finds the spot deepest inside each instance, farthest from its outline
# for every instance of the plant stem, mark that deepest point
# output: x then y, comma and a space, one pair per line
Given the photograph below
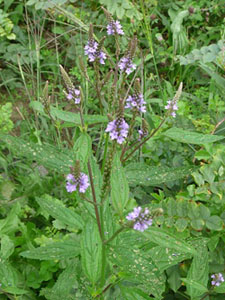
114, 235
105, 153
149, 38
145, 140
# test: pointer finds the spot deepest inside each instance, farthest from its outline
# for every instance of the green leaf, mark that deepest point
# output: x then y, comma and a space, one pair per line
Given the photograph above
82, 148
55, 251
57, 210
119, 185
136, 265
47, 155
142, 174
167, 240
14, 290
199, 288
91, 252
165, 258
181, 224
8, 275
214, 223
7, 247
63, 288
132, 293
220, 289
68, 116
198, 272
189, 137
174, 278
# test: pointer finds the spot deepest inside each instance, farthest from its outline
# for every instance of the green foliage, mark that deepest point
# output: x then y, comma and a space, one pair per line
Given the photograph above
51, 245
6, 26
6, 124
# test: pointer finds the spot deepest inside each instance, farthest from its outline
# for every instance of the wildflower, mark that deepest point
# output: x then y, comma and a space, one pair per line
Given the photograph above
172, 107
114, 27
73, 94
136, 102
93, 52
172, 104
118, 130
127, 65
81, 183
217, 279
140, 218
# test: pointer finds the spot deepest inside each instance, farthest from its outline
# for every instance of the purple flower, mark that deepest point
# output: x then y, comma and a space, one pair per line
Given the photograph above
217, 279
80, 184
114, 27
118, 130
136, 102
126, 65
93, 53
172, 106
142, 134
74, 94
141, 219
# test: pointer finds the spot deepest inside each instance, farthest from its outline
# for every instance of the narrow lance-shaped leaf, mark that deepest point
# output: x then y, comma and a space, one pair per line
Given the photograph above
57, 250
119, 186
198, 271
190, 137
91, 252
57, 210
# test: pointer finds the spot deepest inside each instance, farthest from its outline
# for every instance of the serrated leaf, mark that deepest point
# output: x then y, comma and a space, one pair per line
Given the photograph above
82, 148
136, 265
91, 252
14, 290
119, 186
142, 174
8, 275
198, 272
167, 240
189, 137
199, 288
55, 251
7, 247
57, 210
63, 288
70, 117
47, 155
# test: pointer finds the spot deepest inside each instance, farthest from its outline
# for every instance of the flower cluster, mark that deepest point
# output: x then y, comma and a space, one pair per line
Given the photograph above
141, 218
93, 52
118, 130
136, 102
114, 27
80, 184
73, 94
217, 279
172, 107
126, 65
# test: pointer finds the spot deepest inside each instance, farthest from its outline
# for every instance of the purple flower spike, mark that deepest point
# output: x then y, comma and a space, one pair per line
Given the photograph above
136, 102
74, 94
93, 53
141, 219
118, 130
80, 184
127, 65
114, 27
172, 106
217, 279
